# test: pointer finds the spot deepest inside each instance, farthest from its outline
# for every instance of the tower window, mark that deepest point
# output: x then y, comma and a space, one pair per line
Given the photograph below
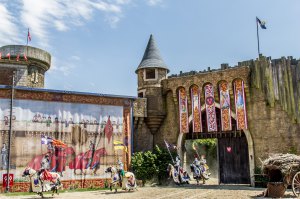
141, 94
150, 73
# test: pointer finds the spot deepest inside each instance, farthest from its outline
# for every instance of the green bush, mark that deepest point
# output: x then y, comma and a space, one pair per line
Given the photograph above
210, 146
143, 165
148, 165
162, 161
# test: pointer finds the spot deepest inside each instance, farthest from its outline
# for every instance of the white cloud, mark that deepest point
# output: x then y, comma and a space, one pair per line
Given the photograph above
75, 57
40, 16
9, 30
43, 15
60, 26
61, 67
154, 2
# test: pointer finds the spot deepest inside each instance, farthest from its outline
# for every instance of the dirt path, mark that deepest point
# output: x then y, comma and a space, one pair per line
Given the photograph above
191, 191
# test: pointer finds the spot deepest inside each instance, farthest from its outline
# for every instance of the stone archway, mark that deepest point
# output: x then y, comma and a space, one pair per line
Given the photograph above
181, 139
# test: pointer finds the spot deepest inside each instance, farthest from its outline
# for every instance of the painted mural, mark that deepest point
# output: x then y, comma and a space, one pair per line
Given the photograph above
225, 106
183, 111
210, 108
196, 109
87, 133
240, 104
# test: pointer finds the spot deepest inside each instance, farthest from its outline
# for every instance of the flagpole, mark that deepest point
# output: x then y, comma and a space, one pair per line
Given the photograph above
169, 151
10, 131
27, 37
257, 37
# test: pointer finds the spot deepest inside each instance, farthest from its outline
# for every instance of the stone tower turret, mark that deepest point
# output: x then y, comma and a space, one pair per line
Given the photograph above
29, 64
151, 71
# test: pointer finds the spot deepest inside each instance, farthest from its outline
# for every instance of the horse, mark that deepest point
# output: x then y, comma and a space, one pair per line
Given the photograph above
199, 173
128, 182
179, 178
39, 184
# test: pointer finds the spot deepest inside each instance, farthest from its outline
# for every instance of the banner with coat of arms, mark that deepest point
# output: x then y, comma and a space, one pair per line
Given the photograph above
210, 108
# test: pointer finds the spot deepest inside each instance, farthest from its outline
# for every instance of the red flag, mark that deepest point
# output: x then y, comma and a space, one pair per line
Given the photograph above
25, 57
108, 129
28, 36
58, 143
18, 57
8, 55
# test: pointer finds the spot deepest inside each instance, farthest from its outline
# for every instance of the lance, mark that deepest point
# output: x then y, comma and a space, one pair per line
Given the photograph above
167, 145
194, 147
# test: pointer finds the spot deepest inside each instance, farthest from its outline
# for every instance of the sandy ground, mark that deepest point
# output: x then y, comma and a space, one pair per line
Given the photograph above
210, 190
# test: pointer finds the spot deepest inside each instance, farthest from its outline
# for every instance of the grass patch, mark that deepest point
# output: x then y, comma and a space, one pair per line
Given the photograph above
49, 192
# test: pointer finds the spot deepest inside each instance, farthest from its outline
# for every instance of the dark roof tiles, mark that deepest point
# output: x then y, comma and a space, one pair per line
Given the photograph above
152, 58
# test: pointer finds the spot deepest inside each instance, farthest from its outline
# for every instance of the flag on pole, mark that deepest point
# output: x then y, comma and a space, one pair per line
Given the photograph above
28, 36
45, 139
8, 55
118, 145
262, 24
194, 147
18, 57
170, 146
54, 142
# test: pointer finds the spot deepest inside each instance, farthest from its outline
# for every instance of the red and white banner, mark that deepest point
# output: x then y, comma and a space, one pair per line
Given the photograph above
10, 180
210, 108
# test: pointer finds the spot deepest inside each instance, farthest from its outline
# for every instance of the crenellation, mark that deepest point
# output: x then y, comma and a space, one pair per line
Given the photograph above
29, 62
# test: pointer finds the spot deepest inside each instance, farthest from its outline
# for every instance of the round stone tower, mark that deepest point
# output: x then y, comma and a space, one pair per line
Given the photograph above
151, 71
29, 64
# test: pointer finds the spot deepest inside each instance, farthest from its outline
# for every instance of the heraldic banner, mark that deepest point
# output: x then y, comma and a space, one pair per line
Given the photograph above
225, 106
183, 112
240, 104
210, 108
196, 109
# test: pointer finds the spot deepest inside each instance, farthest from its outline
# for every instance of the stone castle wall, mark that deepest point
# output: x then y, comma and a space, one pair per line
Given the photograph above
272, 89
273, 111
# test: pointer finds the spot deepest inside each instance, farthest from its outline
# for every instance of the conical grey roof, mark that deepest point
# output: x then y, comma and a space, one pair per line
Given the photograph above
152, 58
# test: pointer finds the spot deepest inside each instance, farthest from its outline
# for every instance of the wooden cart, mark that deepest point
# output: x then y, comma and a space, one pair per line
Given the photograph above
284, 169
296, 184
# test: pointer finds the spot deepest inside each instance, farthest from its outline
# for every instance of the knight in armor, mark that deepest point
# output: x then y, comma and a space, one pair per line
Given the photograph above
45, 166
45, 163
4, 156
196, 162
121, 169
177, 164
204, 164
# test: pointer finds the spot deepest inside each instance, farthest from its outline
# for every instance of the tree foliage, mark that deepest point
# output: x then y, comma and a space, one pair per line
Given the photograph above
162, 161
148, 165
208, 145
143, 165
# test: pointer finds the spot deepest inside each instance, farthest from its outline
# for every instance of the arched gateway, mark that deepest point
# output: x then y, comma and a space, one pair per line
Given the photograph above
235, 151
171, 104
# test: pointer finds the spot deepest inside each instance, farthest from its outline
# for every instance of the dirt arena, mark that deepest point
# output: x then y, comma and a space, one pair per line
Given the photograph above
210, 190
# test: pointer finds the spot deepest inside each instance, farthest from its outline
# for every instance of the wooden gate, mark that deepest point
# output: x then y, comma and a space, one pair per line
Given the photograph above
234, 160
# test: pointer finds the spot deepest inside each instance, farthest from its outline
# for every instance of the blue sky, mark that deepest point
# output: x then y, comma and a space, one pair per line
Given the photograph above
96, 45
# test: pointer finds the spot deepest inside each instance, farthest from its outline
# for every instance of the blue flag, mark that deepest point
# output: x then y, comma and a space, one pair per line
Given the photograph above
262, 24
